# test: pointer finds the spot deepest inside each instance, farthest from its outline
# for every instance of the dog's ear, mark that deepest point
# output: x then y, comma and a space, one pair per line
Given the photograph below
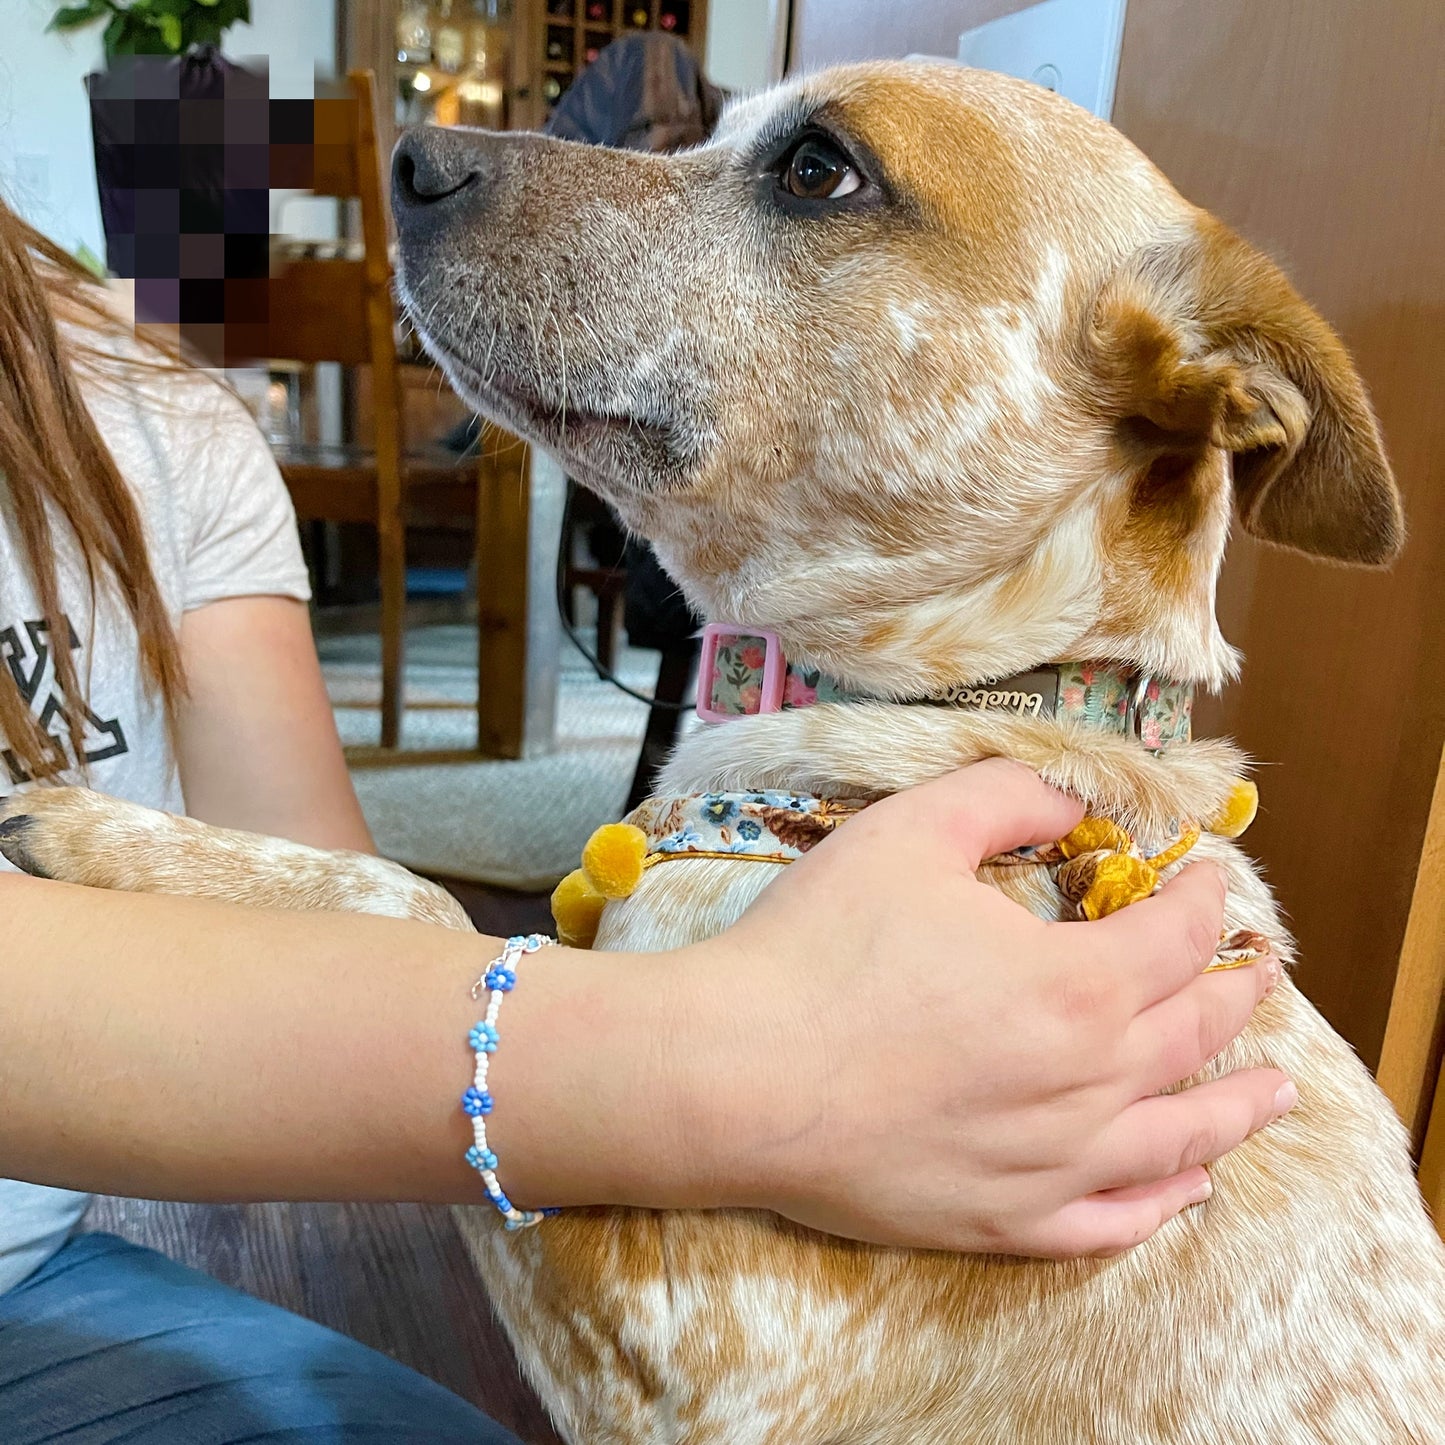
1202, 342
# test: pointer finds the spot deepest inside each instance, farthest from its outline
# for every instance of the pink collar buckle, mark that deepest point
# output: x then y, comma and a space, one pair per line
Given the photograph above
772, 663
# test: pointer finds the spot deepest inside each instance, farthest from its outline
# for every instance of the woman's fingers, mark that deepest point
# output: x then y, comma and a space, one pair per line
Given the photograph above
1160, 1137
991, 807
1179, 1036
1151, 1162
1158, 946
1115, 1220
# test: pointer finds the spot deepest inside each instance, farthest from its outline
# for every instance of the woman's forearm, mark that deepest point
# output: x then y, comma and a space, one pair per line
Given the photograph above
178, 1048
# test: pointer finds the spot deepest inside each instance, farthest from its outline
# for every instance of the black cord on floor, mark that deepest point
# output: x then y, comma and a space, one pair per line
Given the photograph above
606, 674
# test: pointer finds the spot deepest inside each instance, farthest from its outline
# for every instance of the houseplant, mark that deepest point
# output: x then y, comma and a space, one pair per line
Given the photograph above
154, 27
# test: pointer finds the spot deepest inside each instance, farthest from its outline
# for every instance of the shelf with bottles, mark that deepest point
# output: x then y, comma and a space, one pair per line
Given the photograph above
670, 15
453, 63
575, 32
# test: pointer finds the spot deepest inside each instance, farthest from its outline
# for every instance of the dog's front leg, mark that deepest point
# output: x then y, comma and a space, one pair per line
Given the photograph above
77, 836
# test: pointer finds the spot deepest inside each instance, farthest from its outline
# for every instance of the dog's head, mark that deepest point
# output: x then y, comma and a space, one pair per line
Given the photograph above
923, 367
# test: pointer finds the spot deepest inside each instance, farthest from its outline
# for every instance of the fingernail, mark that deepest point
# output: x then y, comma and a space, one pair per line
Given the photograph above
1271, 975
1286, 1099
1200, 1192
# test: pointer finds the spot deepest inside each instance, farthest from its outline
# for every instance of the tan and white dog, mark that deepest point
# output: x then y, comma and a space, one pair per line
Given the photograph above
939, 379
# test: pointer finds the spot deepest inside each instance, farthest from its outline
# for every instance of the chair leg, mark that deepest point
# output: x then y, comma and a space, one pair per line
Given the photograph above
392, 545
504, 530
674, 679
608, 603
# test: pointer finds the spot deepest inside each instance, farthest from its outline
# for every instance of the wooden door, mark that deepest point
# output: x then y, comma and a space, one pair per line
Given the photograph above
1317, 128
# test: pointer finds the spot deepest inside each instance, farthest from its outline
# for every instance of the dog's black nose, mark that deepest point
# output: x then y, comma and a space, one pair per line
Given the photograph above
432, 170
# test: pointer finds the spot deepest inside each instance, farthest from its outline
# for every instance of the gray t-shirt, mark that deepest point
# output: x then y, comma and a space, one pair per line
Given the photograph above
218, 524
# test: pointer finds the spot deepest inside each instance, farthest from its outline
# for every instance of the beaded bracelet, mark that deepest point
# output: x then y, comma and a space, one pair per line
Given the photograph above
500, 978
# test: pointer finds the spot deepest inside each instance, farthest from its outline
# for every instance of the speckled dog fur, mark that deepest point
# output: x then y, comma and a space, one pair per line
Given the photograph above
995, 407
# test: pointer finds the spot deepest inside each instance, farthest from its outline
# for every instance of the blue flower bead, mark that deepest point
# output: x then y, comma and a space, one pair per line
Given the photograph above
500, 980
483, 1039
476, 1101
480, 1158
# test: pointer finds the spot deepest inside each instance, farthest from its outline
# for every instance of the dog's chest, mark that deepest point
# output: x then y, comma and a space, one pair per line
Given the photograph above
726, 1330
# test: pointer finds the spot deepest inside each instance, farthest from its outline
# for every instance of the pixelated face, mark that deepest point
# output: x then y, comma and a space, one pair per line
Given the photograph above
840, 364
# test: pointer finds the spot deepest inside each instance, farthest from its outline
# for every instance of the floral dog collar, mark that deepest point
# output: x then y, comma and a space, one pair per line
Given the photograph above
743, 672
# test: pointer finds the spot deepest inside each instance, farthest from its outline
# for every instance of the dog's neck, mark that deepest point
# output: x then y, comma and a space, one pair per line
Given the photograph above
744, 672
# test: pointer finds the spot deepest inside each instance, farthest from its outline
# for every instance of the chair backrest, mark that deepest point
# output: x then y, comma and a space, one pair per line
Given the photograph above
338, 307
335, 137
1411, 1058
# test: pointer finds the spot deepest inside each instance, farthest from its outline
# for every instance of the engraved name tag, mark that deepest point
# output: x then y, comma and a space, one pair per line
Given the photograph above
1030, 694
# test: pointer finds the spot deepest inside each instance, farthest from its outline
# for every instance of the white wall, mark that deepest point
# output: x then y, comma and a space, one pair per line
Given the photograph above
742, 43
297, 37
47, 166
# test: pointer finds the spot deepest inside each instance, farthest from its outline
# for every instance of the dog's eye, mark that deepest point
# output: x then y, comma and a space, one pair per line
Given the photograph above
817, 170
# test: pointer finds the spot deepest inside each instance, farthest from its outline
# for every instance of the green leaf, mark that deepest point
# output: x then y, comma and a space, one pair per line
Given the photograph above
90, 261
117, 36
155, 27
72, 17
233, 12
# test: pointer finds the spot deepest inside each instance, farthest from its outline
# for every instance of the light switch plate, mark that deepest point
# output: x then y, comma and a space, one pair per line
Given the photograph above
1071, 46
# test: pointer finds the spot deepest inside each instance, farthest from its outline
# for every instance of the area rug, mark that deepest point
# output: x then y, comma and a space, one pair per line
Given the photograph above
514, 825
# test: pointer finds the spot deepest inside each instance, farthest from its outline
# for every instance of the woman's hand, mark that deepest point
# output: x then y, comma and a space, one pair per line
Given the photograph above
913, 1059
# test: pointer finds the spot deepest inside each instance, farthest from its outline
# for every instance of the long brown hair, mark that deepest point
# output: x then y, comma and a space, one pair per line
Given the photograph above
53, 463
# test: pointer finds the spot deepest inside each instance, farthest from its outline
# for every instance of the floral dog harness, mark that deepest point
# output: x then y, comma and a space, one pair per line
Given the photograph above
1098, 867
768, 826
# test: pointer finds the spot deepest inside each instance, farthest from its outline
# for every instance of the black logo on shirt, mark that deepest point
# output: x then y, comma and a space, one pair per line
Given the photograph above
26, 650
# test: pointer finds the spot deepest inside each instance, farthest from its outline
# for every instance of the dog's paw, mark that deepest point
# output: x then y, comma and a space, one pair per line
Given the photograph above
70, 834
13, 828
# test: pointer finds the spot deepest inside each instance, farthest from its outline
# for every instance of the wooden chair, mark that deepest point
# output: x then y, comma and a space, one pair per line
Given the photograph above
606, 581
1410, 1069
334, 303
338, 308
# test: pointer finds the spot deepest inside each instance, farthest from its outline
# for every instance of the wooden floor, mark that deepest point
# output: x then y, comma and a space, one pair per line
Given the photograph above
395, 1276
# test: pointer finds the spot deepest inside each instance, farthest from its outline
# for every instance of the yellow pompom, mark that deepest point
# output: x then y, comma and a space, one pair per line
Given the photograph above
577, 908
1118, 881
1238, 813
1092, 835
612, 859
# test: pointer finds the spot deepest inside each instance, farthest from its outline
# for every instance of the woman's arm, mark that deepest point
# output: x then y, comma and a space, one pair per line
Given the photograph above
882, 1047
185, 1049
256, 738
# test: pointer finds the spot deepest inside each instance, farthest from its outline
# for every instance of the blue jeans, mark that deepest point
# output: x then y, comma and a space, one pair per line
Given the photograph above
108, 1342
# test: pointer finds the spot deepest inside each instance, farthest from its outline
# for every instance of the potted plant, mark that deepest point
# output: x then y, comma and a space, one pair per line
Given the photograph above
160, 54
154, 27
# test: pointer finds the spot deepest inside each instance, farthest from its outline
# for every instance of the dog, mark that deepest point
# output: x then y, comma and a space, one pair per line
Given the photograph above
922, 381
